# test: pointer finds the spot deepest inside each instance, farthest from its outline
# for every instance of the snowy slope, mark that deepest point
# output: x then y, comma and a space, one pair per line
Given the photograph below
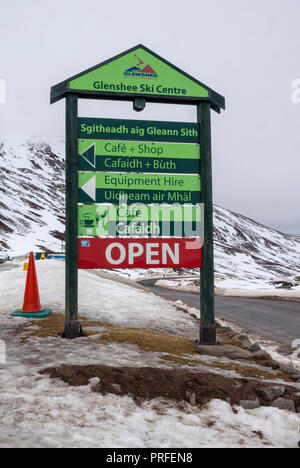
32, 217
31, 196
246, 249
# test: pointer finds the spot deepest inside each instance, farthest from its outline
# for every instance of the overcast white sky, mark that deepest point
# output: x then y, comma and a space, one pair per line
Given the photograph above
247, 50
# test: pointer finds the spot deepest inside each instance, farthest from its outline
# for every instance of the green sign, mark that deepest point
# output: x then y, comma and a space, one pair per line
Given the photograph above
138, 188
132, 174
139, 220
142, 130
132, 156
139, 72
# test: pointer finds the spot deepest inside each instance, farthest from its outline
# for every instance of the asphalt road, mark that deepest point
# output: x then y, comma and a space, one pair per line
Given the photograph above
7, 266
275, 320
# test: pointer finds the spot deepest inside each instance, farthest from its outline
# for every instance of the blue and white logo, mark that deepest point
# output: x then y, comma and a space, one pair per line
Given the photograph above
85, 243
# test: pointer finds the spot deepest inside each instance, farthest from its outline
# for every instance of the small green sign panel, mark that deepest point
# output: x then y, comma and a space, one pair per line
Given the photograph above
138, 188
139, 220
142, 130
132, 156
139, 72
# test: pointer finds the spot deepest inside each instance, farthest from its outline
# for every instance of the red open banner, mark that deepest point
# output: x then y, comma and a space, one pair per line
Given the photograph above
138, 252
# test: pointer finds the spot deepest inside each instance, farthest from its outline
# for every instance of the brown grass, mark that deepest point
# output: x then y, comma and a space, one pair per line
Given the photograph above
149, 340
43, 328
179, 350
53, 326
244, 370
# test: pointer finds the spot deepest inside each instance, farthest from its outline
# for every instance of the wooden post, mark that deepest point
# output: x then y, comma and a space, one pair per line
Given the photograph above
72, 325
207, 306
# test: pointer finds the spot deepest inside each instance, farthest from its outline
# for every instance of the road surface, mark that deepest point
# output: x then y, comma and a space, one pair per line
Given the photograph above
275, 320
7, 266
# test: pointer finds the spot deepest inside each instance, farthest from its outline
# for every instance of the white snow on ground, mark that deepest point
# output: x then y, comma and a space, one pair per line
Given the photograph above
264, 291
52, 414
137, 274
104, 300
232, 287
180, 284
36, 411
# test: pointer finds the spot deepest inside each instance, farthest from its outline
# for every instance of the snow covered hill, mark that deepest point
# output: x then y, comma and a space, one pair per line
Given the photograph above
245, 249
32, 218
31, 196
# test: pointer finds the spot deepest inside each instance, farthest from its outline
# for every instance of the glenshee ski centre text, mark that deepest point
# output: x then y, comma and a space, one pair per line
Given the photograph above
142, 88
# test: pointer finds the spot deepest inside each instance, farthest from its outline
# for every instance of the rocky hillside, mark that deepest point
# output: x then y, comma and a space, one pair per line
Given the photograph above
32, 218
246, 249
31, 196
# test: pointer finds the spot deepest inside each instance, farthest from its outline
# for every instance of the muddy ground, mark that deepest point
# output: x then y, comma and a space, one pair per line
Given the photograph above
179, 385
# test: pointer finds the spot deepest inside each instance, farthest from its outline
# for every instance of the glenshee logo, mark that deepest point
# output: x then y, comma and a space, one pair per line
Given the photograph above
145, 72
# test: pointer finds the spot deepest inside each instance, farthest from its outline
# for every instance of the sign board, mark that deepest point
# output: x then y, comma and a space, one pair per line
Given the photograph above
139, 253
118, 155
139, 72
111, 187
102, 220
159, 194
138, 146
118, 171
143, 130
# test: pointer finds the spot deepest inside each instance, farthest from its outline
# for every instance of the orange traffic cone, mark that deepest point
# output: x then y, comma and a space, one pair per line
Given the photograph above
31, 297
31, 306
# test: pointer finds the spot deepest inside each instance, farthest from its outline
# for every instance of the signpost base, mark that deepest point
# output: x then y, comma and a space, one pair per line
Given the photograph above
72, 329
208, 335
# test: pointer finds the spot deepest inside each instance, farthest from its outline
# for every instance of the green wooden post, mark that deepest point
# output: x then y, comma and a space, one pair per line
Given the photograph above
207, 323
72, 325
